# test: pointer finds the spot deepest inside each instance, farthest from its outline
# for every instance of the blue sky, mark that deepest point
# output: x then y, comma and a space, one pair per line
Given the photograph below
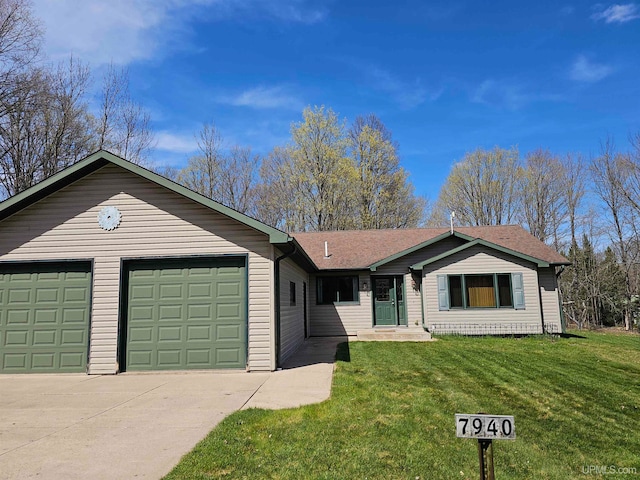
445, 77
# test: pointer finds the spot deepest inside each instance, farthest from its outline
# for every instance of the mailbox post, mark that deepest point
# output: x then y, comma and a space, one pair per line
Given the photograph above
485, 428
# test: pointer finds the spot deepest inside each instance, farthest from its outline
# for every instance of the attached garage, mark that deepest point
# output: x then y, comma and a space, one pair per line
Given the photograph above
185, 314
108, 267
44, 316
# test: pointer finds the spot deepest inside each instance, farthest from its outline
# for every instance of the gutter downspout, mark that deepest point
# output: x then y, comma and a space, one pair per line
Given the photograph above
563, 321
276, 275
420, 285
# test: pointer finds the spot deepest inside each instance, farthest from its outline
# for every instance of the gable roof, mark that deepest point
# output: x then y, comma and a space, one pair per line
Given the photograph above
369, 249
101, 158
484, 243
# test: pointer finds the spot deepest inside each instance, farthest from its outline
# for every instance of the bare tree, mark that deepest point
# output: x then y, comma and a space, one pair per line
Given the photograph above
20, 42
122, 125
203, 170
574, 180
238, 179
47, 127
276, 192
541, 188
610, 174
227, 177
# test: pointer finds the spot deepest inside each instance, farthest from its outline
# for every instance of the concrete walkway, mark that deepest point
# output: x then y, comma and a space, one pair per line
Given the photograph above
306, 375
138, 425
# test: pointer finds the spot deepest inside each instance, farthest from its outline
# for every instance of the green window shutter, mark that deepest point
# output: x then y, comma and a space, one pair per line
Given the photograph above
443, 293
518, 291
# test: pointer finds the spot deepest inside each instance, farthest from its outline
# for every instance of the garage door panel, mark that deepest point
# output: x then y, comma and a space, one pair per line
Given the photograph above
228, 332
44, 317
197, 312
169, 334
169, 312
47, 295
169, 291
16, 338
76, 294
199, 357
44, 337
182, 330
141, 292
169, 358
74, 315
140, 358
14, 361
227, 356
18, 296
140, 334
71, 360
18, 317
229, 289
199, 332
200, 290
229, 310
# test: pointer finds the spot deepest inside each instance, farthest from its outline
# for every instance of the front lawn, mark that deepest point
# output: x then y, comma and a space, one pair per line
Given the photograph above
576, 403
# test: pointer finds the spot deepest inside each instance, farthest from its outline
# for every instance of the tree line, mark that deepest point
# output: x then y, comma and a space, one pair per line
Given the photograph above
46, 122
331, 175
328, 177
587, 209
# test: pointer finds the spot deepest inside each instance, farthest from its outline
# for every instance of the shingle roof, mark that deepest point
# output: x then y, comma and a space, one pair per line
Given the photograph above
359, 249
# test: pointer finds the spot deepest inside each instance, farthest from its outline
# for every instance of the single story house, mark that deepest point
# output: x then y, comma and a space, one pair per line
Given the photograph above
108, 267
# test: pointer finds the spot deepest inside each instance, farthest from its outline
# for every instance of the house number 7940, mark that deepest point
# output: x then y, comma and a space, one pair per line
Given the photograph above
487, 427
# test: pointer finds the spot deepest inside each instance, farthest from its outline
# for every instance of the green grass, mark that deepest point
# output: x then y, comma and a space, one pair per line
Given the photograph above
576, 403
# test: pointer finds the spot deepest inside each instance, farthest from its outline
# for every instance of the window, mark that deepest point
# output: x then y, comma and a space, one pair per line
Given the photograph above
292, 293
337, 289
495, 290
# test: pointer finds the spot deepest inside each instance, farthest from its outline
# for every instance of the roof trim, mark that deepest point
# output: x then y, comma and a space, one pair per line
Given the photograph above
374, 266
101, 158
484, 243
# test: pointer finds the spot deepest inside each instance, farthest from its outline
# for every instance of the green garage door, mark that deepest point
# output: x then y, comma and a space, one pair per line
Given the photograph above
44, 317
186, 314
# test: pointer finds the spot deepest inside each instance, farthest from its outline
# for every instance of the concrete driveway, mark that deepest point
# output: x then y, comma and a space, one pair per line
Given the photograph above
138, 425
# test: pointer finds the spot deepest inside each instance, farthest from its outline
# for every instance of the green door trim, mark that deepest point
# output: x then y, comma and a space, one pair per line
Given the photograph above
84, 265
125, 268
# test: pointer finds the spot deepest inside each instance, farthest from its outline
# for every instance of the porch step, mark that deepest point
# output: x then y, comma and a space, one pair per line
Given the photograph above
393, 335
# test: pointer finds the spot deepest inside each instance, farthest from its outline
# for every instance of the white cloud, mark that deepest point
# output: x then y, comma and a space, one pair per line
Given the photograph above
584, 70
294, 11
407, 94
509, 94
124, 31
618, 13
262, 97
176, 143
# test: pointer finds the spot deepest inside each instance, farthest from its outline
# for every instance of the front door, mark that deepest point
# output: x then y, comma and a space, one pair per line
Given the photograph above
388, 301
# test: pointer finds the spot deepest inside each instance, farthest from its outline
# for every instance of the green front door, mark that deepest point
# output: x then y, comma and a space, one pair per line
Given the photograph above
388, 301
44, 317
186, 314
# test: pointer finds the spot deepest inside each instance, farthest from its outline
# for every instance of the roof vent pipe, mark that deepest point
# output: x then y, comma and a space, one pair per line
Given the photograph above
451, 217
326, 250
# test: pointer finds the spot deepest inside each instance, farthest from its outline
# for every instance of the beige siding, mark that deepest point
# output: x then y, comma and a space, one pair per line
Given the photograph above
341, 319
550, 299
291, 316
480, 260
401, 266
155, 222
